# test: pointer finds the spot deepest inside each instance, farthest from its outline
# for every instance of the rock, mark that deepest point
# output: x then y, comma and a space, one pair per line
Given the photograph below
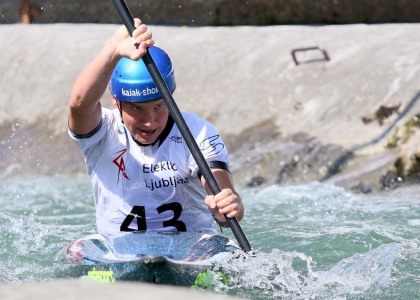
256, 181
361, 187
385, 111
400, 165
389, 180
408, 166
382, 113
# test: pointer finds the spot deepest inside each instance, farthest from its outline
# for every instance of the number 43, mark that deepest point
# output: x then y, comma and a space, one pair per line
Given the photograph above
139, 213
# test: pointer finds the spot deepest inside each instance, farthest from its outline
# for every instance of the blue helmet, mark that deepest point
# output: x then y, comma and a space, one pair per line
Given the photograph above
131, 81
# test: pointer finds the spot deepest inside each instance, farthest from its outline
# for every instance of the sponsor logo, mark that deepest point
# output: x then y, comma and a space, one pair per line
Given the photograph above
101, 276
119, 162
212, 146
168, 181
159, 167
172, 181
139, 93
176, 139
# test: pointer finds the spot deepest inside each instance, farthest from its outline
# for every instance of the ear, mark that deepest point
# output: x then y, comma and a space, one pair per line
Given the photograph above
116, 103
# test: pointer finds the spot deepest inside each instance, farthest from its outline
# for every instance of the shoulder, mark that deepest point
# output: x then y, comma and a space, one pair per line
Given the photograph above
195, 122
190, 117
111, 118
106, 124
110, 114
200, 128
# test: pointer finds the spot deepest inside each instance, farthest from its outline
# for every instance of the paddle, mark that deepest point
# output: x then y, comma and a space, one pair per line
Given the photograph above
180, 122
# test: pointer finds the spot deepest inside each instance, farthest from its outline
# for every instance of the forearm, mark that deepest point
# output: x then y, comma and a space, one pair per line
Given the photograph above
93, 80
85, 108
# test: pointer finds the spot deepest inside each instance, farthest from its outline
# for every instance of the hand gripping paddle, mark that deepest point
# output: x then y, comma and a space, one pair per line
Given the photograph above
180, 122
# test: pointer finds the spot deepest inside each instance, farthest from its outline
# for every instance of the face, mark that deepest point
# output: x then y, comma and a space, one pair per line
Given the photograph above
145, 120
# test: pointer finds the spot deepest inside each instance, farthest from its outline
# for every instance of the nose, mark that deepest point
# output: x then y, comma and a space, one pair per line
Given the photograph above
149, 119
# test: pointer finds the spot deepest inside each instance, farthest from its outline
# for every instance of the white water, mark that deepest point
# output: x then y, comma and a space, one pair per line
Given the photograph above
312, 241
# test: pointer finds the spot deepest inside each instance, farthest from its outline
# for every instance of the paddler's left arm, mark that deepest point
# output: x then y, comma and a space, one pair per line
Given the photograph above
227, 202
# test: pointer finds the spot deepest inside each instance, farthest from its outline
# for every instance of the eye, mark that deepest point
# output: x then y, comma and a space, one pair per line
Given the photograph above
159, 106
136, 108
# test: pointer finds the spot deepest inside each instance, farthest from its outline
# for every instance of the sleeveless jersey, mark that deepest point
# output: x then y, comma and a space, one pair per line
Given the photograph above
152, 187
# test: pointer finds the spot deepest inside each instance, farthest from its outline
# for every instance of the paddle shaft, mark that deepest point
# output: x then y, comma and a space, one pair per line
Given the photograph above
180, 122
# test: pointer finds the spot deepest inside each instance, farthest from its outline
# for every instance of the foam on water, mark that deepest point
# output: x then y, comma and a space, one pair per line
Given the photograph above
312, 241
288, 275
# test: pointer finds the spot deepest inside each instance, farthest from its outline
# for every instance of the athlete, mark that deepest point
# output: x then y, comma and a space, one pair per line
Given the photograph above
143, 174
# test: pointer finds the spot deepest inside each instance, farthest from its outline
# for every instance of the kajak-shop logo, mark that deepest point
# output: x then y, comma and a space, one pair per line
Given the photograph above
119, 162
137, 92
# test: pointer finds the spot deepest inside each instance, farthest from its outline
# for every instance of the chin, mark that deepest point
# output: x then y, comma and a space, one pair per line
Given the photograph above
146, 141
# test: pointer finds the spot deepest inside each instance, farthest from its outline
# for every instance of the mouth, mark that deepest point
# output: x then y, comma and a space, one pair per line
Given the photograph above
147, 132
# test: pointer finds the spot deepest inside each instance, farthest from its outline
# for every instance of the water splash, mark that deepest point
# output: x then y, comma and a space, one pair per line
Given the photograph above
35, 224
22, 237
360, 273
313, 241
267, 275
291, 275
334, 245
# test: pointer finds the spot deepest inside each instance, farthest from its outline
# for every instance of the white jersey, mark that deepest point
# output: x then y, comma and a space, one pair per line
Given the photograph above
152, 187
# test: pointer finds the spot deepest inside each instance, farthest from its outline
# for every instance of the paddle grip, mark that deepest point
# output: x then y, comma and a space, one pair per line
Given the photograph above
128, 21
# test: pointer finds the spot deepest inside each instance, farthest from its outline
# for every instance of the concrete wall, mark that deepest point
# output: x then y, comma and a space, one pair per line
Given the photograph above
220, 12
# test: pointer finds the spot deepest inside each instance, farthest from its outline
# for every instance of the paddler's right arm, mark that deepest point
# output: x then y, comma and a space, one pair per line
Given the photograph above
85, 108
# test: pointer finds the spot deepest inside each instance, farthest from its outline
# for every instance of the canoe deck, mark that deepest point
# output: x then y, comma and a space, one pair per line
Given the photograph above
147, 256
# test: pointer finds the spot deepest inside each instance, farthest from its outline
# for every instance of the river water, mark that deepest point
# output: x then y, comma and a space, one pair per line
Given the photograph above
312, 241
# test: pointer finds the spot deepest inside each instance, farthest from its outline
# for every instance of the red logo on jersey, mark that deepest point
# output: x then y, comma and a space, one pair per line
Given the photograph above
119, 162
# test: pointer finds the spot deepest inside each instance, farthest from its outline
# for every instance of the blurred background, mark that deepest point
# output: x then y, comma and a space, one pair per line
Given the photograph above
214, 12
299, 90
